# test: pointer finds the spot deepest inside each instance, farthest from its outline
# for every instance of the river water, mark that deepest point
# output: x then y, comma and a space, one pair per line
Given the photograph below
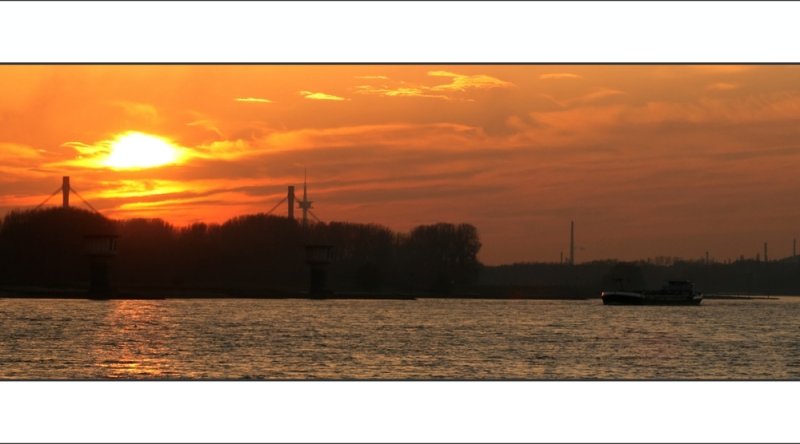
440, 339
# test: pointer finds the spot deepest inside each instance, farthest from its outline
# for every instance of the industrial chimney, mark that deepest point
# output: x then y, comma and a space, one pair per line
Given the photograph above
572, 242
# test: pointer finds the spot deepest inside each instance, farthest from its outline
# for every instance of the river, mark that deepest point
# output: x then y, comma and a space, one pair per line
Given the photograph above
441, 339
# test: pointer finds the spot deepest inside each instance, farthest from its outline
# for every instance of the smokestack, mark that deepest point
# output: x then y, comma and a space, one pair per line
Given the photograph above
572, 242
290, 201
65, 192
305, 198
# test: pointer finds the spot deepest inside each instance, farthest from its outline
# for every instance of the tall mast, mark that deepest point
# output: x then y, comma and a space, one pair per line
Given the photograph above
65, 189
305, 204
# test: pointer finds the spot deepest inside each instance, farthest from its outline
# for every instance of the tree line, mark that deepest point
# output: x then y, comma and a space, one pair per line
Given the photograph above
743, 276
254, 252
261, 254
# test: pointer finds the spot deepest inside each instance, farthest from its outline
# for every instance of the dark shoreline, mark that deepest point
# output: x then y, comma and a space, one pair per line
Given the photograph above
10, 292
745, 296
161, 294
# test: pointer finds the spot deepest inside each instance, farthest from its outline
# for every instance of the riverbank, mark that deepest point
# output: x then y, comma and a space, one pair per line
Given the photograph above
171, 293
740, 296
154, 293
493, 293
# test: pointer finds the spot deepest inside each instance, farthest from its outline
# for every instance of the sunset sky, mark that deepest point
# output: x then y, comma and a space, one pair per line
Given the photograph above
648, 160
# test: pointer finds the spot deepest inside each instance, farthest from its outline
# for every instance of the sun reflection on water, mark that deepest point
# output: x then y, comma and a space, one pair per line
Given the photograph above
133, 341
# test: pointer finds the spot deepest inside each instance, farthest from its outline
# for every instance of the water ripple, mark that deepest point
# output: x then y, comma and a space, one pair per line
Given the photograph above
424, 339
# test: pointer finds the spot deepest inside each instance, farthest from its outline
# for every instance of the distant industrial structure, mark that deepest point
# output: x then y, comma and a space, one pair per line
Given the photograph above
303, 204
318, 256
65, 189
572, 242
290, 198
100, 248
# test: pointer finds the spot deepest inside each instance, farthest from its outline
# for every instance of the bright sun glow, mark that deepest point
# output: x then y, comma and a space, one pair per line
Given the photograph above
139, 150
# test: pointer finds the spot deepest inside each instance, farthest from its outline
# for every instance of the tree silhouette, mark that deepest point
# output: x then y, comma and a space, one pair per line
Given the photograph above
251, 253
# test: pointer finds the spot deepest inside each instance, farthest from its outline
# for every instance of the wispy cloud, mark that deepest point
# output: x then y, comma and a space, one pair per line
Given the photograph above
13, 151
88, 151
320, 96
144, 111
581, 124
598, 95
591, 97
252, 100
15, 161
372, 77
125, 188
722, 86
402, 91
208, 125
224, 150
559, 75
722, 69
461, 82
408, 136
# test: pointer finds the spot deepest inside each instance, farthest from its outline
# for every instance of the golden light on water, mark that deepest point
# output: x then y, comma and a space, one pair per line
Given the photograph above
134, 150
118, 356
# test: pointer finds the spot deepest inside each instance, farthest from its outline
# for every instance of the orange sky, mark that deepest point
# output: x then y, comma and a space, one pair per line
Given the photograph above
648, 160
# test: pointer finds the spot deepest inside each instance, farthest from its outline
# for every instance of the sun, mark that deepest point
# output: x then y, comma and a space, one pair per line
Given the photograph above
135, 150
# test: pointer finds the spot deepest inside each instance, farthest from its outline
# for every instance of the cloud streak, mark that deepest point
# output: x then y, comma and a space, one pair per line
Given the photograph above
458, 84
321, 96
252, 100
206, 124
461, 83
559, 76
398, 92
722, 86
144, 111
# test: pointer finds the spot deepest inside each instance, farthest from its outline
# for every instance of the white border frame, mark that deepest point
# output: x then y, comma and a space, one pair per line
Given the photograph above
423, 31
435, 32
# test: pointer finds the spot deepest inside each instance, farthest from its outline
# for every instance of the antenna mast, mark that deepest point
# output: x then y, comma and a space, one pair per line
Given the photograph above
305, 204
